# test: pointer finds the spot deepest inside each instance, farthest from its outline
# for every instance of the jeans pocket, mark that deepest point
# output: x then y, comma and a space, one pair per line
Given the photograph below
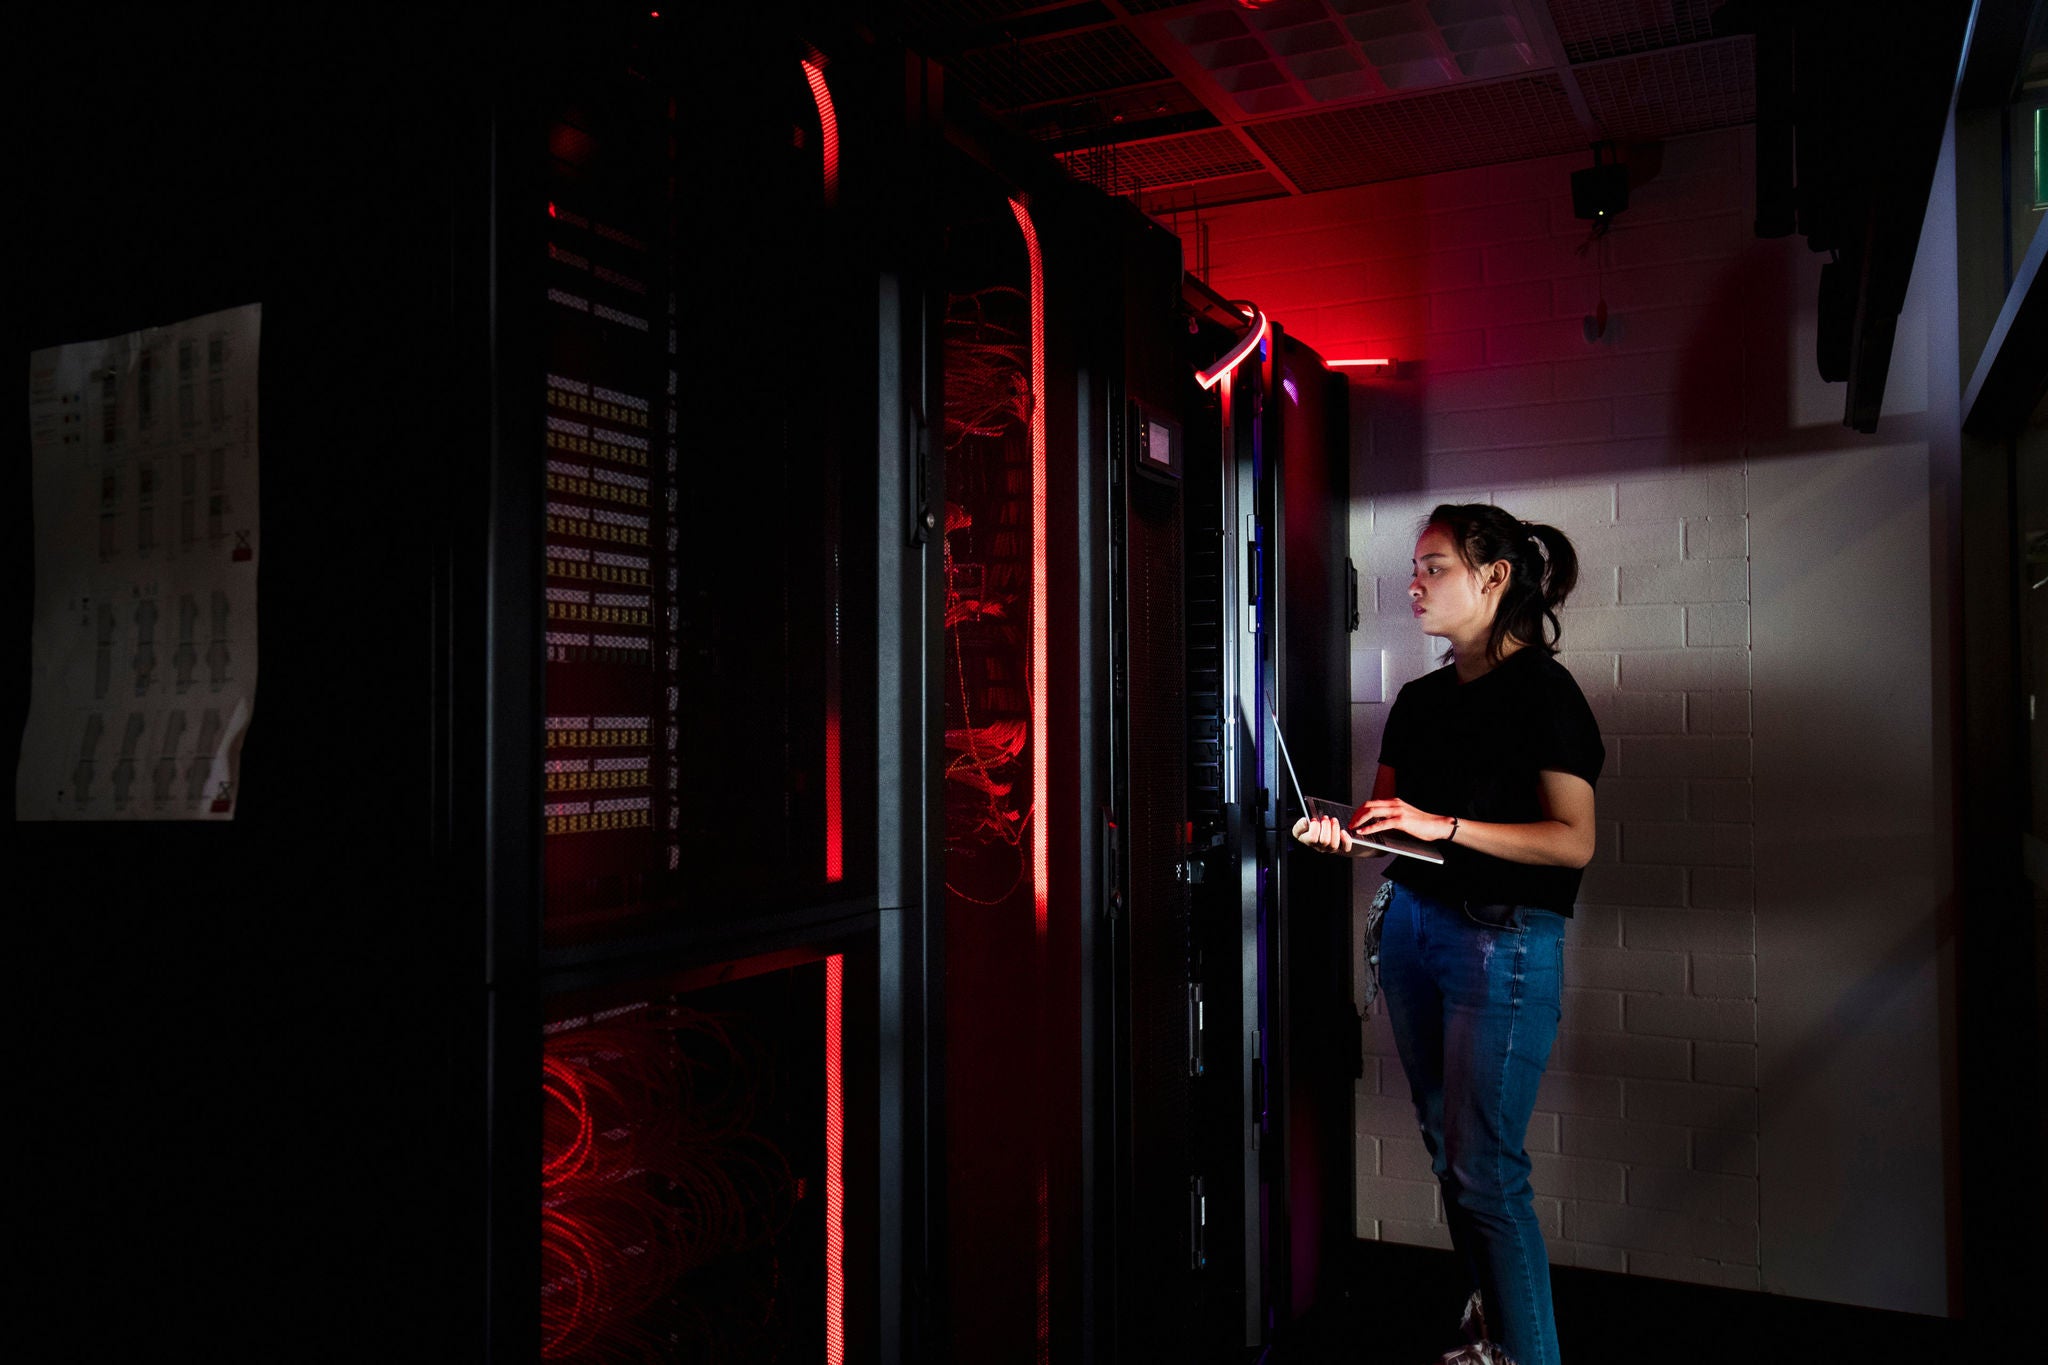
1505, 918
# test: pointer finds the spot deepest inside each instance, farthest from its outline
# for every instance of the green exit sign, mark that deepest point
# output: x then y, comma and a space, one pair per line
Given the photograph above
2040, 168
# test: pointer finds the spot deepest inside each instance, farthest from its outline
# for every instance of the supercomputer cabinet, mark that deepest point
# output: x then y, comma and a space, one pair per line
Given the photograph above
1268, 587
573, 781
759, 715
1315, 1053
694, 939
1065, 1042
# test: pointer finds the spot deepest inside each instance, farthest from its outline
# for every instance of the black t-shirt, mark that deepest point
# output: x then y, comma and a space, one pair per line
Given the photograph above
1473, 750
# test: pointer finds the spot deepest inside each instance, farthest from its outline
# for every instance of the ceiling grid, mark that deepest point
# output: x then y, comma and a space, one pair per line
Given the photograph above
1309, 95
1445, 130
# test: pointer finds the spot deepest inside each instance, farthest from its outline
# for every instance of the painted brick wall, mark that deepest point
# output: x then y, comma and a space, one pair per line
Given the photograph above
1645, 1140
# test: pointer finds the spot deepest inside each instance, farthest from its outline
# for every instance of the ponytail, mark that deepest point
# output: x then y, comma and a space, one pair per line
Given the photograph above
1543, 568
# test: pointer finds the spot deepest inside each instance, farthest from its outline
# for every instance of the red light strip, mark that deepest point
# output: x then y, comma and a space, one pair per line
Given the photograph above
1248, 343
1041, 853
828, 125
835, 830
1381, 362
1041, 849
835, 1163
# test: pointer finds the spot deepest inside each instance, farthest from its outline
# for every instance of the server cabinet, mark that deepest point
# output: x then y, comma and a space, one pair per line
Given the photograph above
1073, 1157
693, 410
574, 710
1269, 590
1156, 1030
1313, 1052
1224, 731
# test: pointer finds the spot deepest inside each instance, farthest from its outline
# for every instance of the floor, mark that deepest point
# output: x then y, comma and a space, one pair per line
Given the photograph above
1403, 1310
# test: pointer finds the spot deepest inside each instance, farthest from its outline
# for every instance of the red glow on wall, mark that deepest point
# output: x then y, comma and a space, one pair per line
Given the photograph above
828, 125
835, 1162
1246, 344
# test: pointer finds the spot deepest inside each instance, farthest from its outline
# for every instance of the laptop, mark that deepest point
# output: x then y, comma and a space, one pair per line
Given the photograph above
1392, 841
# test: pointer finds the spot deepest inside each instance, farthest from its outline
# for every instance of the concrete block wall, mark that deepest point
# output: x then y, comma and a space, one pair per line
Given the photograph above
1645, 1137
1649, 1135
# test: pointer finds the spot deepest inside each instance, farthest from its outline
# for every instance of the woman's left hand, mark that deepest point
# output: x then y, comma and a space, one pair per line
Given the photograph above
1394, 814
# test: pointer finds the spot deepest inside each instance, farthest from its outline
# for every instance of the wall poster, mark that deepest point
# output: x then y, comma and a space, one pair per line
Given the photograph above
143, 654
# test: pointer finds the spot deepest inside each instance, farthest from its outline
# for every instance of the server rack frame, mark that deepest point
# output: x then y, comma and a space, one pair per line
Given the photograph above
884, 932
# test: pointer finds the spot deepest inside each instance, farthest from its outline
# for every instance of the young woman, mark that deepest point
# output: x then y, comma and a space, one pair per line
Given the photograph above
1492, 758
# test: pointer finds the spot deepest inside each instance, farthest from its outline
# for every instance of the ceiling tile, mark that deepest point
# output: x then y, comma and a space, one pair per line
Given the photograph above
1162, 161
1059, 67
1466, 125
1592, 29
1678, 90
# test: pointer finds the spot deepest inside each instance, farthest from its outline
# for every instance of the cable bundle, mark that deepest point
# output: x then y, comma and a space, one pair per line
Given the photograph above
986, 391
987, 561
657, 1190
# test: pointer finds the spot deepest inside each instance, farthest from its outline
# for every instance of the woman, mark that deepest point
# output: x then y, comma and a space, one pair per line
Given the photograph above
1493, 759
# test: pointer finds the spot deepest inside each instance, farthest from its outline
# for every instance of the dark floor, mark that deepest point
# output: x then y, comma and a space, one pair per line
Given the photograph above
1403, 1308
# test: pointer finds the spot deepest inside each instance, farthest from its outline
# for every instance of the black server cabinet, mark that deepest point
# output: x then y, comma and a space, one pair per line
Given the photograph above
1154, 1062
1268, 592
1227, 850
1020, 437
1268, 589
577, 369
1070, 1158
697, 952
1310, 1032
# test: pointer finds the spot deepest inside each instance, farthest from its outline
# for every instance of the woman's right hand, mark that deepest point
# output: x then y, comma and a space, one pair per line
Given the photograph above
1323, 833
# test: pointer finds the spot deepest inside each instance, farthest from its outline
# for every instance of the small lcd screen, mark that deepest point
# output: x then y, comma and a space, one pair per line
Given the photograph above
1157, 448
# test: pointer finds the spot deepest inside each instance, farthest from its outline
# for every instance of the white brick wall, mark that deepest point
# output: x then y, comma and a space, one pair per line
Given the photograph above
1645, 1138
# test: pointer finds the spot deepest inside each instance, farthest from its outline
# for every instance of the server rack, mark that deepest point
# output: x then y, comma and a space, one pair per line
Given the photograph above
394, 939
1225, 728
1269, 586
488, 288
681, 520
1317, 1032
1107, 1099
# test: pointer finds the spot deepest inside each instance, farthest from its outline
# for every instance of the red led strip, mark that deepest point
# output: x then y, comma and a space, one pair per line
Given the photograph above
1041, 852
1041, 855
835, 1163
835, 824
828, 125
1248, 343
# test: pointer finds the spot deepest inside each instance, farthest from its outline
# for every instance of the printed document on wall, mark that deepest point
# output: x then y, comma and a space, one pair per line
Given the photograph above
143, 657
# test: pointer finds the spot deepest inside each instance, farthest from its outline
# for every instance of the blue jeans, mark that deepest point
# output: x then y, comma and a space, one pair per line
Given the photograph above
1474, 1009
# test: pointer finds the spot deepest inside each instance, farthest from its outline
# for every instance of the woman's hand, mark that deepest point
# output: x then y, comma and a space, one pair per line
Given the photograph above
1325, 834
1394, 814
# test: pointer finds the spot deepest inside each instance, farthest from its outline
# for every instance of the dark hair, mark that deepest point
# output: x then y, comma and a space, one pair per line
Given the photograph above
1543, 569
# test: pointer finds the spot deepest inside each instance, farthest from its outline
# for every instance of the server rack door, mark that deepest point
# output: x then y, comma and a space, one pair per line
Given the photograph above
1027, 346
709, 493
1162, 1168
999, 1068
688, 414
1319, 1029
1222, 737
704, 1130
